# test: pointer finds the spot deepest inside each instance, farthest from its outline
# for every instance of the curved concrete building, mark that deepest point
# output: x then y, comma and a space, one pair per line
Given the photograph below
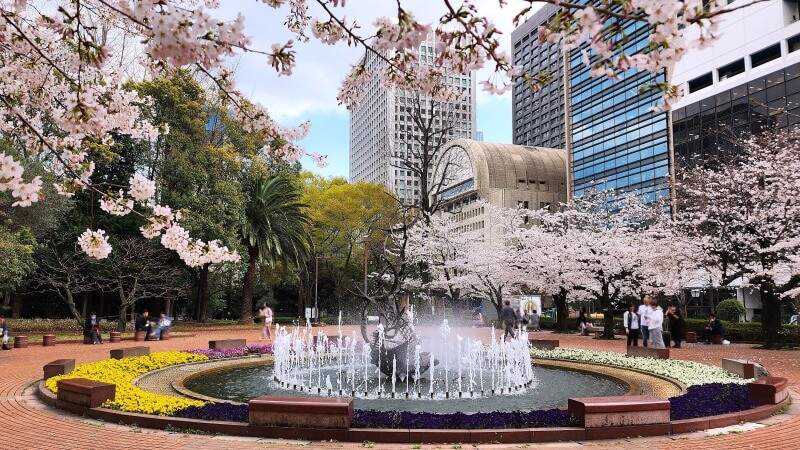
501, 174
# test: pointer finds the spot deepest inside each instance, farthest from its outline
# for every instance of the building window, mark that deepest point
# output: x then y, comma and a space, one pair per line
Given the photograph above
700, 82
729, 70
766, 55
794, 43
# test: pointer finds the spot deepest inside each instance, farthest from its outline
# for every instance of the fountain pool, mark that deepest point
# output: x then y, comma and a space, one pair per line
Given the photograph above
551, 390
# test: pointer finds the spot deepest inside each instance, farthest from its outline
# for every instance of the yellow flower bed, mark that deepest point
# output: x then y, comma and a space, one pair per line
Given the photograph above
121, 372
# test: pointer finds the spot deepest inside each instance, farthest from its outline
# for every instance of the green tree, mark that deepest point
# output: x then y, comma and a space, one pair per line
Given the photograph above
17, 261
273, 229
730, 310
341, 215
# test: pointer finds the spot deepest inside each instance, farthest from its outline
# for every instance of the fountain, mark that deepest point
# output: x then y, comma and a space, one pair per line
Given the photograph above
347, 366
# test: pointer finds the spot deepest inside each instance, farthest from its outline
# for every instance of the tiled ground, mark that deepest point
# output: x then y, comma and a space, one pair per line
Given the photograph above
26, 424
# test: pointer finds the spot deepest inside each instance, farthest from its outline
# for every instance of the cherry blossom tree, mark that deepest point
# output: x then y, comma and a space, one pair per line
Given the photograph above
62, 97
747, 214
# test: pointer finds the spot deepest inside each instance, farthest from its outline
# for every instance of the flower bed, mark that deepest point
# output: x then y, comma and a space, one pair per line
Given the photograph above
489, 420
709, 400
232, 352
215, 411
121, 373
687, 372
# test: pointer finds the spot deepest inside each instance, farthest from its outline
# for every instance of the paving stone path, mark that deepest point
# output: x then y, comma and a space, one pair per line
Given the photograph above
25, 423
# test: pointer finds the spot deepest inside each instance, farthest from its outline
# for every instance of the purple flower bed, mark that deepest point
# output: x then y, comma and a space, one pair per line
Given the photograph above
215, 411
260, 349
217, 354
710, 400
233, 352
497, 419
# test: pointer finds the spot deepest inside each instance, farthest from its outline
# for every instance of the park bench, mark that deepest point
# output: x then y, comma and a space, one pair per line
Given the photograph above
545, 344
222, 344
744, 368
768, 390
598, 412
83, 392
129, 352
691, 337
301, 412
58, 367
648, 352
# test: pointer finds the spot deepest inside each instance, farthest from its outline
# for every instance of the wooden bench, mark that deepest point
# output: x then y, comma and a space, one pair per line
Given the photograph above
744, 368
165, 335
58, 367
717, 339
48, 340
301, 412
648, 352
83, 392
140, 335
598, 412
114, 336
87, 340
768, 390
20, 341
546, 344
691, 337
222, 344
129, 352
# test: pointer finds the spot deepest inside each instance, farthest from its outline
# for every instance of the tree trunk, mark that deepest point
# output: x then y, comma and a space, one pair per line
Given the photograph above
249, 281
770, 314
16, 305
72, 308
84, 301
123, 316
560, 300
301, 305
608, 316
203, 295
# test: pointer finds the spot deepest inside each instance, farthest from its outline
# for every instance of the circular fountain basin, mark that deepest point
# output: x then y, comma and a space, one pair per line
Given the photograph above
550, 389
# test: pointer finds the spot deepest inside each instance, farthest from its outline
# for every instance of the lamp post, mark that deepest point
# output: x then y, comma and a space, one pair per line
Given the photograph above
317, 257
365, 241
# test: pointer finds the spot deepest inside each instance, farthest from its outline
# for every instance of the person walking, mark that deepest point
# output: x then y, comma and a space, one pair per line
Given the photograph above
655, 326
508, 318
534, 321
677, 325
91, 328
644, 312
266, 320
631, 321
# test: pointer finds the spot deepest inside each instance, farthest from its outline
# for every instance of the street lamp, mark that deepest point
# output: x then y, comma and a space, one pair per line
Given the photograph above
317, 257
365, 241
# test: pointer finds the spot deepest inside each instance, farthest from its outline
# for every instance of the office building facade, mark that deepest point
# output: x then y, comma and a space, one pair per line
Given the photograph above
747, 81
538, 116
612, 138
383, 134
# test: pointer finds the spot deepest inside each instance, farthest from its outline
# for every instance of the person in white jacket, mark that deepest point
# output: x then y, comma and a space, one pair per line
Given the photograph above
644, 312
655, 327
631, 321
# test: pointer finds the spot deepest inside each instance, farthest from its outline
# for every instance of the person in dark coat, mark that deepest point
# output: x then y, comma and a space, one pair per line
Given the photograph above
508, 318
677, 325
91, 328
143, 322
4, 333
713, 327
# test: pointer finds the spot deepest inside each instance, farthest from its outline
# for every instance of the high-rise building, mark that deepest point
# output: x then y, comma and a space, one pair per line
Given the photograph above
538, 116
383, 134
747, 80
610, 133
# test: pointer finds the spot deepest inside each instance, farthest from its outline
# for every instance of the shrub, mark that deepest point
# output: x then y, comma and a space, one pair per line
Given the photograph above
730, 310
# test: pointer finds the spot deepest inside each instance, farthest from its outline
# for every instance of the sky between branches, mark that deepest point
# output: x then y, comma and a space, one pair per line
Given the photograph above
310, 93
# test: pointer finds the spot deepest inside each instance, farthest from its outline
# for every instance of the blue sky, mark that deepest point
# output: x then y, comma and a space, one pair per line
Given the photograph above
310, 93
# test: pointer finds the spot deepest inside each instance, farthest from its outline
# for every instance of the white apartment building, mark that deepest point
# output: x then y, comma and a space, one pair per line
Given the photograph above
382, 130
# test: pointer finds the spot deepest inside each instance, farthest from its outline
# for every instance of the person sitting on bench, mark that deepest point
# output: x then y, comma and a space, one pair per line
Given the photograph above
713, 327
164, 323
143, 323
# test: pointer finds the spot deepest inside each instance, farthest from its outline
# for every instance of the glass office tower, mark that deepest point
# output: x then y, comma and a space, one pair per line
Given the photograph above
614, 137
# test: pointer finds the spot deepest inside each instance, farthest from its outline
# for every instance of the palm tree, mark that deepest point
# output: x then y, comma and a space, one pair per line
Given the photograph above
274, 230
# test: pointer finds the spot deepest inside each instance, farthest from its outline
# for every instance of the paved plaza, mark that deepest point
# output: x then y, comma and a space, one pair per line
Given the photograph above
25, 423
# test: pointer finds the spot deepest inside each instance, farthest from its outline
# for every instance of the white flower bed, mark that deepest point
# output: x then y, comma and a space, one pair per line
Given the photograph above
687, 372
